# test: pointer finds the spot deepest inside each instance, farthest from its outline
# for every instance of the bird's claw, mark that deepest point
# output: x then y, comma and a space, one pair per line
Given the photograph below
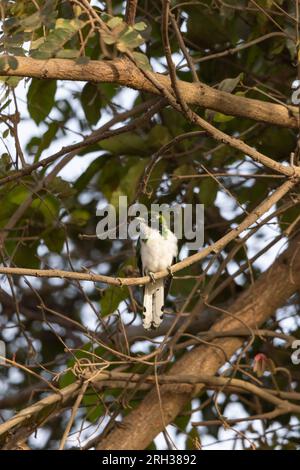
169, 269
151, 275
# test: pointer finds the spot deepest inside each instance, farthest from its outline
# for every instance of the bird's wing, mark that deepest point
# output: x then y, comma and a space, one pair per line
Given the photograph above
168, 279
139, 256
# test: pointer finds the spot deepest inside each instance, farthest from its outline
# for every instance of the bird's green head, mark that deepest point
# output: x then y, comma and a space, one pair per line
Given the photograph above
158, 221
155, 220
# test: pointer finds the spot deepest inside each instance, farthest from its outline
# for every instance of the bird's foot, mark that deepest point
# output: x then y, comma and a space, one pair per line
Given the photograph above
151, 275
169, 269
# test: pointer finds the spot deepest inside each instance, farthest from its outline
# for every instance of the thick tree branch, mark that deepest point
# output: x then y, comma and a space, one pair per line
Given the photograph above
45, 408
120, 71
177, 101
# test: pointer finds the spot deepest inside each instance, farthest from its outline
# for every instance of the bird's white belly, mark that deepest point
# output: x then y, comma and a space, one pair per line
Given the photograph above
157, 253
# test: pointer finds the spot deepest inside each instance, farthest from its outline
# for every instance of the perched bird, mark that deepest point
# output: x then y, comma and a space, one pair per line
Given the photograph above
156, 251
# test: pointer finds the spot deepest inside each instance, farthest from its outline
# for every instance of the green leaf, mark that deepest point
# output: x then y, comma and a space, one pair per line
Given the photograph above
96, 165
111, 299
108, 91
129, 182
26, 256
67, 54
211, 27
120, 178
142, 61
208, 191
57, 38
115, 197
40, 96
12, 62
5, 105
54, 239
219, 117
289, 217
193, 439
229, 84
182, 170
182, 420
94, 407
126, 144
47, 138
12, 82
67, 379
108, 38
141, 26
156, 175
5, 161
37, 43
115, 21
158, 136
152, 446
61, 188
276, 141
48, 206
80, 217
91, 102
129, 40
32, 22
110, 176
18, 195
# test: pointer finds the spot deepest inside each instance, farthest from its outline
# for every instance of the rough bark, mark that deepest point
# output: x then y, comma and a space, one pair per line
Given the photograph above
253, 307
122, 72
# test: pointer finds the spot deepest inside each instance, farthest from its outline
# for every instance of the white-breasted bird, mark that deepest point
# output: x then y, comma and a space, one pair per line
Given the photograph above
156, 251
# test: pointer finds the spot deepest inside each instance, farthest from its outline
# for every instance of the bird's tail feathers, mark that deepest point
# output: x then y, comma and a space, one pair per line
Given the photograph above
153, 304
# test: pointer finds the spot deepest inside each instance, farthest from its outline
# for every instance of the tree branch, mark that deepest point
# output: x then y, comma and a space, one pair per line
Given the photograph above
130, 11
45, 408
121, 72
121, 281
